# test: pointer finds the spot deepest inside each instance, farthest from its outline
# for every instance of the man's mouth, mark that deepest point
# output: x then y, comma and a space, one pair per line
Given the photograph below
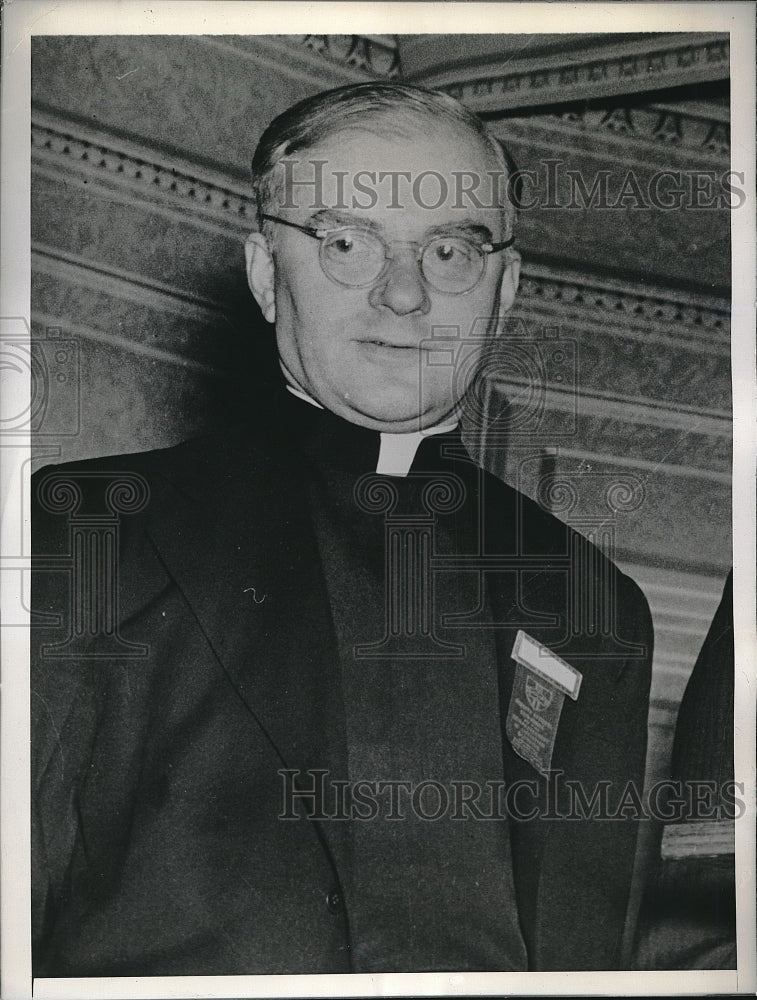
397, 347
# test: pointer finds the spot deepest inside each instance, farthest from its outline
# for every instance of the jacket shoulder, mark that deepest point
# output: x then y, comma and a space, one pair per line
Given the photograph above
132, 482
543, 533
599, 614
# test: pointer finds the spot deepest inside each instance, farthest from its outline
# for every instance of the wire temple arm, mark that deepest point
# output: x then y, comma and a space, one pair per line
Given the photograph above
319, 233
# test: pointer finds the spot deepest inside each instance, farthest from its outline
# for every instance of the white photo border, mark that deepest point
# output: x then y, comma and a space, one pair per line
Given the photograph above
26, 18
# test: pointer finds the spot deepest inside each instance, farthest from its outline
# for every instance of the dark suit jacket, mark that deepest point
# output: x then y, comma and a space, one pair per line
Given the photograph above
157, 843
688, 920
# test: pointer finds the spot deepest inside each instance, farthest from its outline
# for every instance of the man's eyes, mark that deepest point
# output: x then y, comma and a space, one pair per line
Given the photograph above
450, 250
445, 248
343, 244
352, 242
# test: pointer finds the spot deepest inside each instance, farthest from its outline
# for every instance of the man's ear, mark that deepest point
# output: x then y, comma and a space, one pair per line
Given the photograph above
510, 280
260, 274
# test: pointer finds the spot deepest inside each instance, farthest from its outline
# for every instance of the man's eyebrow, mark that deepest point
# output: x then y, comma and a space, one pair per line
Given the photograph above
327, 217
467, 227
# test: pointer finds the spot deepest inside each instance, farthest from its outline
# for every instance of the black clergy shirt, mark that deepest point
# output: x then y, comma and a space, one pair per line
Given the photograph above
430, 887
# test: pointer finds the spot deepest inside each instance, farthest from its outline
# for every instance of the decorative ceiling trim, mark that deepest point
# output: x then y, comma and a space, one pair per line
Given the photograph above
114, 163
343, 58
375, 55
676, 316
74, 269
653, 63
289, 56
548, 137
676, 666
655, 125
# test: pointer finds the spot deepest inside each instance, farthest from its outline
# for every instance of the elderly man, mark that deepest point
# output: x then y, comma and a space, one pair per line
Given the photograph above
354, 677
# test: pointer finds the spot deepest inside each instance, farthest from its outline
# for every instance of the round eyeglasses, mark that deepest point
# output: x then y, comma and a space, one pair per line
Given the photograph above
355, 257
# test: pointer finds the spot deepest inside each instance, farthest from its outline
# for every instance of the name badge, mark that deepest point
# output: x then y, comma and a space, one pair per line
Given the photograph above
542, 680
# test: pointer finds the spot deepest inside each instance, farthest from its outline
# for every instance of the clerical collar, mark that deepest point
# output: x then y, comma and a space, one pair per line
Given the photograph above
396, 452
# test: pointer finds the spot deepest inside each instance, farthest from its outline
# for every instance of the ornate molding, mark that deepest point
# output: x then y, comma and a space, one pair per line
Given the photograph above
683, 605
588, 458
375, 55
598, 419
320, 61
143, 171
657, 124
675, 315
584, 71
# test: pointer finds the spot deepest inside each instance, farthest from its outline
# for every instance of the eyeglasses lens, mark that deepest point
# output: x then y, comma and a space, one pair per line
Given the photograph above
355, 258
452, 264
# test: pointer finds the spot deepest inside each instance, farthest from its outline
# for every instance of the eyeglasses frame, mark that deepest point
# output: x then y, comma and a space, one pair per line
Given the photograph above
320, 233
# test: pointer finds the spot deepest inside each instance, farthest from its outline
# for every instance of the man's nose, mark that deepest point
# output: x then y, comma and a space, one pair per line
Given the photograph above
402, 288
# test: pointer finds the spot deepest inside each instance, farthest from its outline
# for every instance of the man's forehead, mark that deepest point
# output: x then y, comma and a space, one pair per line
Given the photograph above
452, 144
361, 171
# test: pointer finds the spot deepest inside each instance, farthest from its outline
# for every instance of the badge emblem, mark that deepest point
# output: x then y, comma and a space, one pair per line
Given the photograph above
542, 680
539, 695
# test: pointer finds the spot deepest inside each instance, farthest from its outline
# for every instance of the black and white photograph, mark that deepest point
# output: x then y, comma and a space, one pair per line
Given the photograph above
378, 499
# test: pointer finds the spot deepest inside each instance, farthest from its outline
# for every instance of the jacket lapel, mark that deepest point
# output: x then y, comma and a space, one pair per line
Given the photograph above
233, 529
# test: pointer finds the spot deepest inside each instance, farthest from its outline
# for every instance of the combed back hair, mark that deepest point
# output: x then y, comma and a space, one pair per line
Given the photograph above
385, 109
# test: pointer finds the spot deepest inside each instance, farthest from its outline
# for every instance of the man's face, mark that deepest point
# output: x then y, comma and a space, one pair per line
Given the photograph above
363, 352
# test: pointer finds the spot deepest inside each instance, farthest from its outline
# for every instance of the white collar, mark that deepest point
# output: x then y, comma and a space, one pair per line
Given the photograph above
396, 451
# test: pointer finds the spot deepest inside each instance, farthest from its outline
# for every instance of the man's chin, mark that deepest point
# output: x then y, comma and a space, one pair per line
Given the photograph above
394, 416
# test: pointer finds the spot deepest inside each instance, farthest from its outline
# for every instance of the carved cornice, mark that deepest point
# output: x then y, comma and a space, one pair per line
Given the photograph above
196, 194
684, 602
651, 63
321, 61
375, 55
143, 171
675, 315
82, 331
688, 426
658, 124
682, 605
